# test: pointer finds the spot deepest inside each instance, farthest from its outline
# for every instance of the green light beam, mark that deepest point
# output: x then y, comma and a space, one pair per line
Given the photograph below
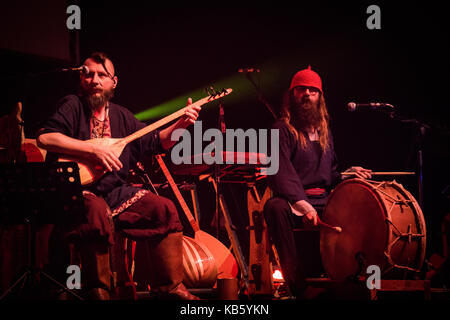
241, 86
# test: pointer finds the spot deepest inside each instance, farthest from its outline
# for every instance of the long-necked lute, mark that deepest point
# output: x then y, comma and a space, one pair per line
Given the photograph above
91, 172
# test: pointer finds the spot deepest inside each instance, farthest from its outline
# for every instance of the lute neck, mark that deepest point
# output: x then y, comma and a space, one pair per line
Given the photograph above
154, 126
169, 118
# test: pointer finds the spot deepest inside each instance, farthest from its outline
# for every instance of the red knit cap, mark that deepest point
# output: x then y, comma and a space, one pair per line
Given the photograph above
306, 78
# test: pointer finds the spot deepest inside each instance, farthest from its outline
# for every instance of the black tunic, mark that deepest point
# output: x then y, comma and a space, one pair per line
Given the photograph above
73, 119
301, 169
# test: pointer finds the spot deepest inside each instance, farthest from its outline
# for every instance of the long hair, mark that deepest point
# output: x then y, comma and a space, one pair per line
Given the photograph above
297, 129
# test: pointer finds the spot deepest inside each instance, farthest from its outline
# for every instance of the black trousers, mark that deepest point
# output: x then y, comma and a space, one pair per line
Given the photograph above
151, 217
299, 252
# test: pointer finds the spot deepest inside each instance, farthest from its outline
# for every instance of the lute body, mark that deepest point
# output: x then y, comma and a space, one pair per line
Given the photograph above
90, 171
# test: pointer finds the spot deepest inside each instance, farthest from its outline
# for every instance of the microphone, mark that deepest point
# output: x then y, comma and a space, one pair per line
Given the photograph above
248, 70
83, 69
352, 106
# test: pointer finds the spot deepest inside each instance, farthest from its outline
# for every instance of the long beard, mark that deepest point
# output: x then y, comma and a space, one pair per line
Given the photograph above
305, 115
96, 101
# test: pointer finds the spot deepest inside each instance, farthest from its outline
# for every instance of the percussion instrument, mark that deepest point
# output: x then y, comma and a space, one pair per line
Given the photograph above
382, 224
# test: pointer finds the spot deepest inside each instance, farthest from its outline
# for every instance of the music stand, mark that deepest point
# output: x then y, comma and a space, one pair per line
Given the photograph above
36, 194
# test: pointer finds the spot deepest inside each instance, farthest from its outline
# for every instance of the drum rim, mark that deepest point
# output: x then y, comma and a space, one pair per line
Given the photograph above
419, 217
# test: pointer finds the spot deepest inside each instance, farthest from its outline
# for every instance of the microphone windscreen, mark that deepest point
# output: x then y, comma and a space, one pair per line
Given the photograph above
84, 69
351, 106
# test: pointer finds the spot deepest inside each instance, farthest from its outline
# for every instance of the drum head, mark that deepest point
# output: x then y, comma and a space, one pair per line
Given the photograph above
356, 208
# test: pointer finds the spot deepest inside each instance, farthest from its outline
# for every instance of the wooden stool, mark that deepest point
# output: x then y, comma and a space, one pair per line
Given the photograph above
122, 267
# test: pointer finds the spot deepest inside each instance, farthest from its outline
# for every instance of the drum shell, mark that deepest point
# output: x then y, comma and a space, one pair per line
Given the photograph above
373, 216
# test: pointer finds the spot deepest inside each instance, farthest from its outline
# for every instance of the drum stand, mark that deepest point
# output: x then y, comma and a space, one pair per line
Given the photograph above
221, 206
231, 231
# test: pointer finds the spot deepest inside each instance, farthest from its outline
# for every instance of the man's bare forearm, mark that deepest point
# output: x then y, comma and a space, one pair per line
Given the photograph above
60, 143
102, 154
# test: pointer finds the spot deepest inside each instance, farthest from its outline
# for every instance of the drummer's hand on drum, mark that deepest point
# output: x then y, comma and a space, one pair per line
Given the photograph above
358, 172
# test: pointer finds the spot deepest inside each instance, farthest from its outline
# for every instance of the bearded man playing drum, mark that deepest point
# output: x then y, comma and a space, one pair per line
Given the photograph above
306, 175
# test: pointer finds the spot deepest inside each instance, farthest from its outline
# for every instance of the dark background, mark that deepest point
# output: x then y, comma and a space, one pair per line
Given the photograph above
166, 52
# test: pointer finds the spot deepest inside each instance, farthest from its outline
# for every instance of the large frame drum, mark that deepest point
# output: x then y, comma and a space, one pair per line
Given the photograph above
382, 224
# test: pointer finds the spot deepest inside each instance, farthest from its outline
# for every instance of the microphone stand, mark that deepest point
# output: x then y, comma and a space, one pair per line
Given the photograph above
421, 128
232, 236
420, 137
260, 95
217, 169
42, 73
